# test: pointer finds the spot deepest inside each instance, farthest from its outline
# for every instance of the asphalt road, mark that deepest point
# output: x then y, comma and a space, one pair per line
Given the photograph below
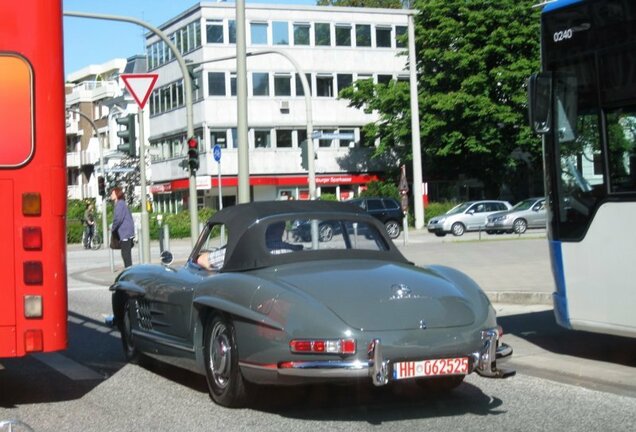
566, 381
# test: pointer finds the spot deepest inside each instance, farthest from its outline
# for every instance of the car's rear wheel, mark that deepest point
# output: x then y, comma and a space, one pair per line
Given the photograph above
458, 229
440, 234
126, 329
392, 229
222, 372
520, 226
441, 384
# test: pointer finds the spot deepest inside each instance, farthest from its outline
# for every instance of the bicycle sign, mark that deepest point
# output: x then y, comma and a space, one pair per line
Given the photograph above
216, 152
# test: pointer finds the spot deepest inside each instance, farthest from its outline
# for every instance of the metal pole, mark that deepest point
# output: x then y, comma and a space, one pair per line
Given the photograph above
145, 224
418, 204
241, 95
187, 89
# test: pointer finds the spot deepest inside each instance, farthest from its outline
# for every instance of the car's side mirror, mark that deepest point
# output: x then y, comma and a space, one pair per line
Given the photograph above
166, 257
471, 212
540, 102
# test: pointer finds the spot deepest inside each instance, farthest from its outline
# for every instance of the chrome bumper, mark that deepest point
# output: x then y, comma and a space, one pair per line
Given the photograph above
378, 368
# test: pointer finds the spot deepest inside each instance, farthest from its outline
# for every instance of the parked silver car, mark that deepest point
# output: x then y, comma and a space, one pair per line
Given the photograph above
529, 213
467, 216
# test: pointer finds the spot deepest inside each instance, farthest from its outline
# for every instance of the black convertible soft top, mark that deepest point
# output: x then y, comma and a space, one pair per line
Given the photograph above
246, 223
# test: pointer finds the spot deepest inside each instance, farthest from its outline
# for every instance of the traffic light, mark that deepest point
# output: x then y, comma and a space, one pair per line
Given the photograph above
193, 154
127, 135
304, 156
101, 186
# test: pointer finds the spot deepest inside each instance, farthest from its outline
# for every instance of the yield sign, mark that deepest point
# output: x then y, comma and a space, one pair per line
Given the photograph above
140, 86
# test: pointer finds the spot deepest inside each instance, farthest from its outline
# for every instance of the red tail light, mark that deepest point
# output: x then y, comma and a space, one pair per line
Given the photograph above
323, 346
33, 274
33, 341
32, 238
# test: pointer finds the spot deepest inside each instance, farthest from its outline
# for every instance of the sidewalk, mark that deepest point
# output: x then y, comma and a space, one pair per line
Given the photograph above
511, 269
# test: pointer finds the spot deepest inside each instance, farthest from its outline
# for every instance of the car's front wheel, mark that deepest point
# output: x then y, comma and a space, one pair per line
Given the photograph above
392, 229
126, 329
326, 233
458, 229
519, 226
224, 378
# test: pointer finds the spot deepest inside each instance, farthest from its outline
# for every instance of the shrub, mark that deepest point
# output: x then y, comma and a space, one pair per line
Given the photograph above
438, 208
381, 189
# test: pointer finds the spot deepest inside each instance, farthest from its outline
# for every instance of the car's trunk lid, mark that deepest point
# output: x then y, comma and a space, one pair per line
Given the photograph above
381, 296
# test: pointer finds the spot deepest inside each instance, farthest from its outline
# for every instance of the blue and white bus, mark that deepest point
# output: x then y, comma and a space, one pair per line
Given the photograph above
584, 104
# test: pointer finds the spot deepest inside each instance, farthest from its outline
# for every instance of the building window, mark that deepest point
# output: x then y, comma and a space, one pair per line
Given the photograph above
258, 33
383, 37
260, 84
231, 31
233, 83
280, 33
384, 79
216, 83
302, 136
262, 139
218, 137
214, 32
361, 77
400, 39
284, 138
300, 91
343, 35
322, 34
344, 81
282, 85
363, 35
327, 141
347, 142
324, 85
301, 34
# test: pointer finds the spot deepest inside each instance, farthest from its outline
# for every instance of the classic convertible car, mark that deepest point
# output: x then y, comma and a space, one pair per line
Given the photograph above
283, 310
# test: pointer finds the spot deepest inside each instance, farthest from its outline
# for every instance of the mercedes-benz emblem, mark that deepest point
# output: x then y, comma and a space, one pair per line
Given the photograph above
400, 291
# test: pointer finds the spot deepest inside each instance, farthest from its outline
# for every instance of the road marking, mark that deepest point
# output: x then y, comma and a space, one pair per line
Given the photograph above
89, 288
68, 367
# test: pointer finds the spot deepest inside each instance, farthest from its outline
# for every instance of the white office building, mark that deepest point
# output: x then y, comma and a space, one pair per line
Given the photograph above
334, 47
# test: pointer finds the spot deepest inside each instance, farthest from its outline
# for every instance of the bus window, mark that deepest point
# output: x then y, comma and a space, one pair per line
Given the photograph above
621, 131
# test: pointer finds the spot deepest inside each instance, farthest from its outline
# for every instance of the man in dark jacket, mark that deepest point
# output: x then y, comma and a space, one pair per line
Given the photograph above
123, 225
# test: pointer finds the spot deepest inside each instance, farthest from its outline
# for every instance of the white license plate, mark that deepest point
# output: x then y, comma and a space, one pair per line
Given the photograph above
429, 368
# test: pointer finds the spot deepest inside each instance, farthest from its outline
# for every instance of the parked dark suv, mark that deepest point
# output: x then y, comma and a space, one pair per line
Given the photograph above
387, 210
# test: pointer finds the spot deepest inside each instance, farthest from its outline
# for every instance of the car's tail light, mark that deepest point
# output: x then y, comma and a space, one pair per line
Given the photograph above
323, 346
33, 341
32, 238
33, 274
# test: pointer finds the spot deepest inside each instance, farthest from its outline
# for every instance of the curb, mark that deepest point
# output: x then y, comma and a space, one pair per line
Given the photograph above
520, 297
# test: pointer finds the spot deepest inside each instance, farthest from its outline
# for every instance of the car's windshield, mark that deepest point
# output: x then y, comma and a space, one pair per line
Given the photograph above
523, 205
461, 208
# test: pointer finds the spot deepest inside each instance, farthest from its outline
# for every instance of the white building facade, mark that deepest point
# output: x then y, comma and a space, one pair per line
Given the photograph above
334, 46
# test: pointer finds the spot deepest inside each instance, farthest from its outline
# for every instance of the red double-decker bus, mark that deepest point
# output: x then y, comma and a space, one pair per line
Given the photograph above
33, 281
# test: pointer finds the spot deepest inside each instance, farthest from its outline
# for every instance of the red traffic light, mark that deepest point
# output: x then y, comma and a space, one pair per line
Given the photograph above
193, 143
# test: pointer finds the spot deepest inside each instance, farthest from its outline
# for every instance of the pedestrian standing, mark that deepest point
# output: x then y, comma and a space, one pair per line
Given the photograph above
123, 225
89, 226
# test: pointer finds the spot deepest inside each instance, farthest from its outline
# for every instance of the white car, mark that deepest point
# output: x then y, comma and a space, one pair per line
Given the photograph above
467, 216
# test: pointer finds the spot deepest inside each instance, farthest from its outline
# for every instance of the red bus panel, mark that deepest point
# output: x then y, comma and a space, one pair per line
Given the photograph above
33, 284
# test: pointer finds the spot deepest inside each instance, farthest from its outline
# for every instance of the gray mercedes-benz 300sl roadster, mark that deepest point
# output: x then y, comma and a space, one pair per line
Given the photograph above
256, 304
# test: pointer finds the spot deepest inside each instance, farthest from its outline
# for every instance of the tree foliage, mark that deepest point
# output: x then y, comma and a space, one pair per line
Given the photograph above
474, 57
393, 4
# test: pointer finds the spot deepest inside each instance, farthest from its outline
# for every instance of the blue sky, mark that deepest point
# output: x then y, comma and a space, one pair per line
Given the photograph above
90, 41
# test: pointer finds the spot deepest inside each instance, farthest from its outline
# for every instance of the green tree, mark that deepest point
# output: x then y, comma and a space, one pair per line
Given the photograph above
393, 4
474, 57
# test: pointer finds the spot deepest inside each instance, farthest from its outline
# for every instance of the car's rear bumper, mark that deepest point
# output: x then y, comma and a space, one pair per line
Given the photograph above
379, 369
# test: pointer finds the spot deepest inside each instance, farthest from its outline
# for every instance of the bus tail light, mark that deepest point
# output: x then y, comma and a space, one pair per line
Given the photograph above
32, 238
323, 346
33, 306
31, 204
33, 274
33, 341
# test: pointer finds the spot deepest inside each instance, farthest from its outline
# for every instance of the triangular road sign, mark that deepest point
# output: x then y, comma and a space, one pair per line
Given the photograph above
140, 86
